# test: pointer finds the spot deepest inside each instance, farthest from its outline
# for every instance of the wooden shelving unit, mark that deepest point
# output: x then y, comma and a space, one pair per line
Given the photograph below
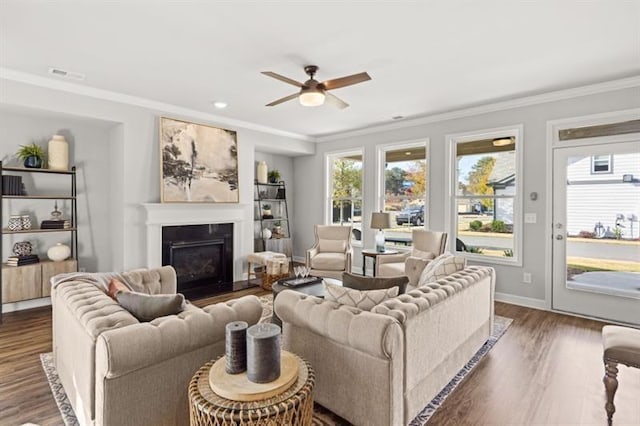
26, 282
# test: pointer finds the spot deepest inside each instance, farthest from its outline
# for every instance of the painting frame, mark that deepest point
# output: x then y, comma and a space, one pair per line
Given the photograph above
198, 163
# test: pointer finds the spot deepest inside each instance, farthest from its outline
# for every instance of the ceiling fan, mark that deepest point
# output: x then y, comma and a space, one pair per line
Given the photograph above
314, 93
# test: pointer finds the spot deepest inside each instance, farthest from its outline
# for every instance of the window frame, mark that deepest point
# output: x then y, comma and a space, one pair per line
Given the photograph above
329, 157
609, 165
381, 151
452, 140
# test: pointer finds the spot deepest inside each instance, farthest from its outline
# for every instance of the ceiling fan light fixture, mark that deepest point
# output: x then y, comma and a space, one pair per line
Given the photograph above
311, 98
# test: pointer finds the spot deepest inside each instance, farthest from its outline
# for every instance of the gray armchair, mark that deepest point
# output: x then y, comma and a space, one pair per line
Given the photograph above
427, 245
331, 254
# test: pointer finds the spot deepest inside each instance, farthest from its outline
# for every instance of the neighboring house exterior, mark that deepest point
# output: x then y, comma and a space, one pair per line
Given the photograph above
604, 189
503, 181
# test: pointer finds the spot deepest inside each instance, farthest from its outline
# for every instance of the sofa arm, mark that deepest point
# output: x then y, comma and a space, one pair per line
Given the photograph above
127, 349
376, 335
413, 268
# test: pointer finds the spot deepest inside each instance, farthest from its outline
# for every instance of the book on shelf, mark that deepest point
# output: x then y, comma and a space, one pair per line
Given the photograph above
55, 224
12, 185
22, 260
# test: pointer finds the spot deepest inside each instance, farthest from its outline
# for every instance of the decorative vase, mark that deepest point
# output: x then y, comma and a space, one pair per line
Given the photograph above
59, 252
58, 153
22, 248
261, 173
26, 222
266, 233
15, 223
33, 162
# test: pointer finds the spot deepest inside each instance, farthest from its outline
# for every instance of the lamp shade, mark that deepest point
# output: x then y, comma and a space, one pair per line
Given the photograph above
380, 220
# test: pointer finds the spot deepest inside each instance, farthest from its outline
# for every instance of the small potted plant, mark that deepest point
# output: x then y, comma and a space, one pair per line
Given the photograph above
32, 155
274, 176
266, 210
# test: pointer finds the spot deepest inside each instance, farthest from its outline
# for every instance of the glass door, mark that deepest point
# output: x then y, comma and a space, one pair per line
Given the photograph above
596, 233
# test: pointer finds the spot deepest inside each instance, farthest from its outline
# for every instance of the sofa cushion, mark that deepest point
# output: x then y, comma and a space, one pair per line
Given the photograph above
146, 307
328, 261
364, 300
332, 246
358, 282
440, 267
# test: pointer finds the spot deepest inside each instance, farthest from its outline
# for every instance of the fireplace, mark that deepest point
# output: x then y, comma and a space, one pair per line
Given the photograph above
202, 256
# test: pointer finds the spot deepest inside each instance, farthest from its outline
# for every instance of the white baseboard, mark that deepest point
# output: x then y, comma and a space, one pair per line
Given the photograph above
26, 304
527, 302
300, 259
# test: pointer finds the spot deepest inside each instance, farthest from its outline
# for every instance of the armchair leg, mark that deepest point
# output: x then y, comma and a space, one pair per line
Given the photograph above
611, 385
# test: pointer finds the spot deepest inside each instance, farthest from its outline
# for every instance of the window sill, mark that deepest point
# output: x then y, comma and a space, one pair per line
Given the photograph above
490, 260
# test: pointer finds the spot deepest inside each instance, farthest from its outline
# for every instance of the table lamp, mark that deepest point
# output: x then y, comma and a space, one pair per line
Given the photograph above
380, 220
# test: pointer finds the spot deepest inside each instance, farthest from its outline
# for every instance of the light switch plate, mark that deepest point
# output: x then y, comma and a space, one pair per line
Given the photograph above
530, 218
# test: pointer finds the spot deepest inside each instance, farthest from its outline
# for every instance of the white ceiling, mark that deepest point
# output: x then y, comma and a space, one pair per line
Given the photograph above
423, 57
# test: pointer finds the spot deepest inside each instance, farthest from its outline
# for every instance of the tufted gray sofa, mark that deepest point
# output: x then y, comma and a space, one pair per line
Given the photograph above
118, 371
383, 367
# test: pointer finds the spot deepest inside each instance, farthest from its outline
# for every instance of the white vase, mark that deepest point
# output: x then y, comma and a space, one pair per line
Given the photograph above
58, 153
261, 173
59, 252
266, 233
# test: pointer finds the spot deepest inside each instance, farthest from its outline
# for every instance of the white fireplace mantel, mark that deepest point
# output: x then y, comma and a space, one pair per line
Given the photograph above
176, 214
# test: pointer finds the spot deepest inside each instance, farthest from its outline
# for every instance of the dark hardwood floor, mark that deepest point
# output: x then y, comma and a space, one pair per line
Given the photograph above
546, 370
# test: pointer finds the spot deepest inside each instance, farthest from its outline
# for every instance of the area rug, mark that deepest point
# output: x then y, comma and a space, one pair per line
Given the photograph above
321, 416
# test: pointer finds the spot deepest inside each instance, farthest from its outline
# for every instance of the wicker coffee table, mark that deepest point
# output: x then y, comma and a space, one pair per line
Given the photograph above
294, 406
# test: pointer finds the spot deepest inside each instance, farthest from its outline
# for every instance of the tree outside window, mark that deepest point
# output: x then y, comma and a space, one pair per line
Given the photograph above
346, 192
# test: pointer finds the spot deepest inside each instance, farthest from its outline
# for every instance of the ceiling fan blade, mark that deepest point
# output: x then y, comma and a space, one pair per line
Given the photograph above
285, 99
336, 83
335, 101
282, 78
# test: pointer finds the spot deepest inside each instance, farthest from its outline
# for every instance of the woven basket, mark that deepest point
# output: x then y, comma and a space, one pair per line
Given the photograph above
269, 279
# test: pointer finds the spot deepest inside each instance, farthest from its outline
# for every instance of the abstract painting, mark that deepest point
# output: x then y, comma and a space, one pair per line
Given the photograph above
199, 163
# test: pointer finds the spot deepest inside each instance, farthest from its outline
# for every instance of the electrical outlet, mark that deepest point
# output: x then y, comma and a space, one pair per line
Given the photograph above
526, 278
81, 269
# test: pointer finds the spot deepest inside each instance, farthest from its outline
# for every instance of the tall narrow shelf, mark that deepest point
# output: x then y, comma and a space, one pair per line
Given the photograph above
274, 194
18, 283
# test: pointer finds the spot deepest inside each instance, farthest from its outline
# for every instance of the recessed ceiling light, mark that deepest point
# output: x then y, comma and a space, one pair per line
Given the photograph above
397, 117
407, 153
220, 104
59, 72
502, 141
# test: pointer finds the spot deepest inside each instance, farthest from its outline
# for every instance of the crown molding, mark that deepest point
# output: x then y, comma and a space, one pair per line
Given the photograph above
108, 95
558, 95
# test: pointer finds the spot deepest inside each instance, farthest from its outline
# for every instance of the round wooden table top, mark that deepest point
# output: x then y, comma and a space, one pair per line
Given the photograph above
238, 387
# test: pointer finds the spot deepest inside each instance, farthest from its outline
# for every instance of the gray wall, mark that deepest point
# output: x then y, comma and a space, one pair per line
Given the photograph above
310, 170
88, 149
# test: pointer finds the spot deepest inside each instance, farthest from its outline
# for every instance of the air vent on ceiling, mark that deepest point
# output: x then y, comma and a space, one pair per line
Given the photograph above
58, 72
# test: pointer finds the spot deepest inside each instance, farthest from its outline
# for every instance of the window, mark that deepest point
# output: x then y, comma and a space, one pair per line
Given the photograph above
601, 164
403, 189
344, 202
485, 195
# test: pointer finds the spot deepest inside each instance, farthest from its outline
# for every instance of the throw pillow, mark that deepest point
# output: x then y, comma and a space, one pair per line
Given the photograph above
358, 282
146, 307
115, 286
422, 254
332, 246
364, 300
440, 267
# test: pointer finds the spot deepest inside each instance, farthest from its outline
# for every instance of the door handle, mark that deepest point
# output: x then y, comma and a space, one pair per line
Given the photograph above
559, 237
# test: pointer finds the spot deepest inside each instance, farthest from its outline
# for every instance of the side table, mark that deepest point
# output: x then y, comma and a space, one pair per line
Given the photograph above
372, 253
294, 406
